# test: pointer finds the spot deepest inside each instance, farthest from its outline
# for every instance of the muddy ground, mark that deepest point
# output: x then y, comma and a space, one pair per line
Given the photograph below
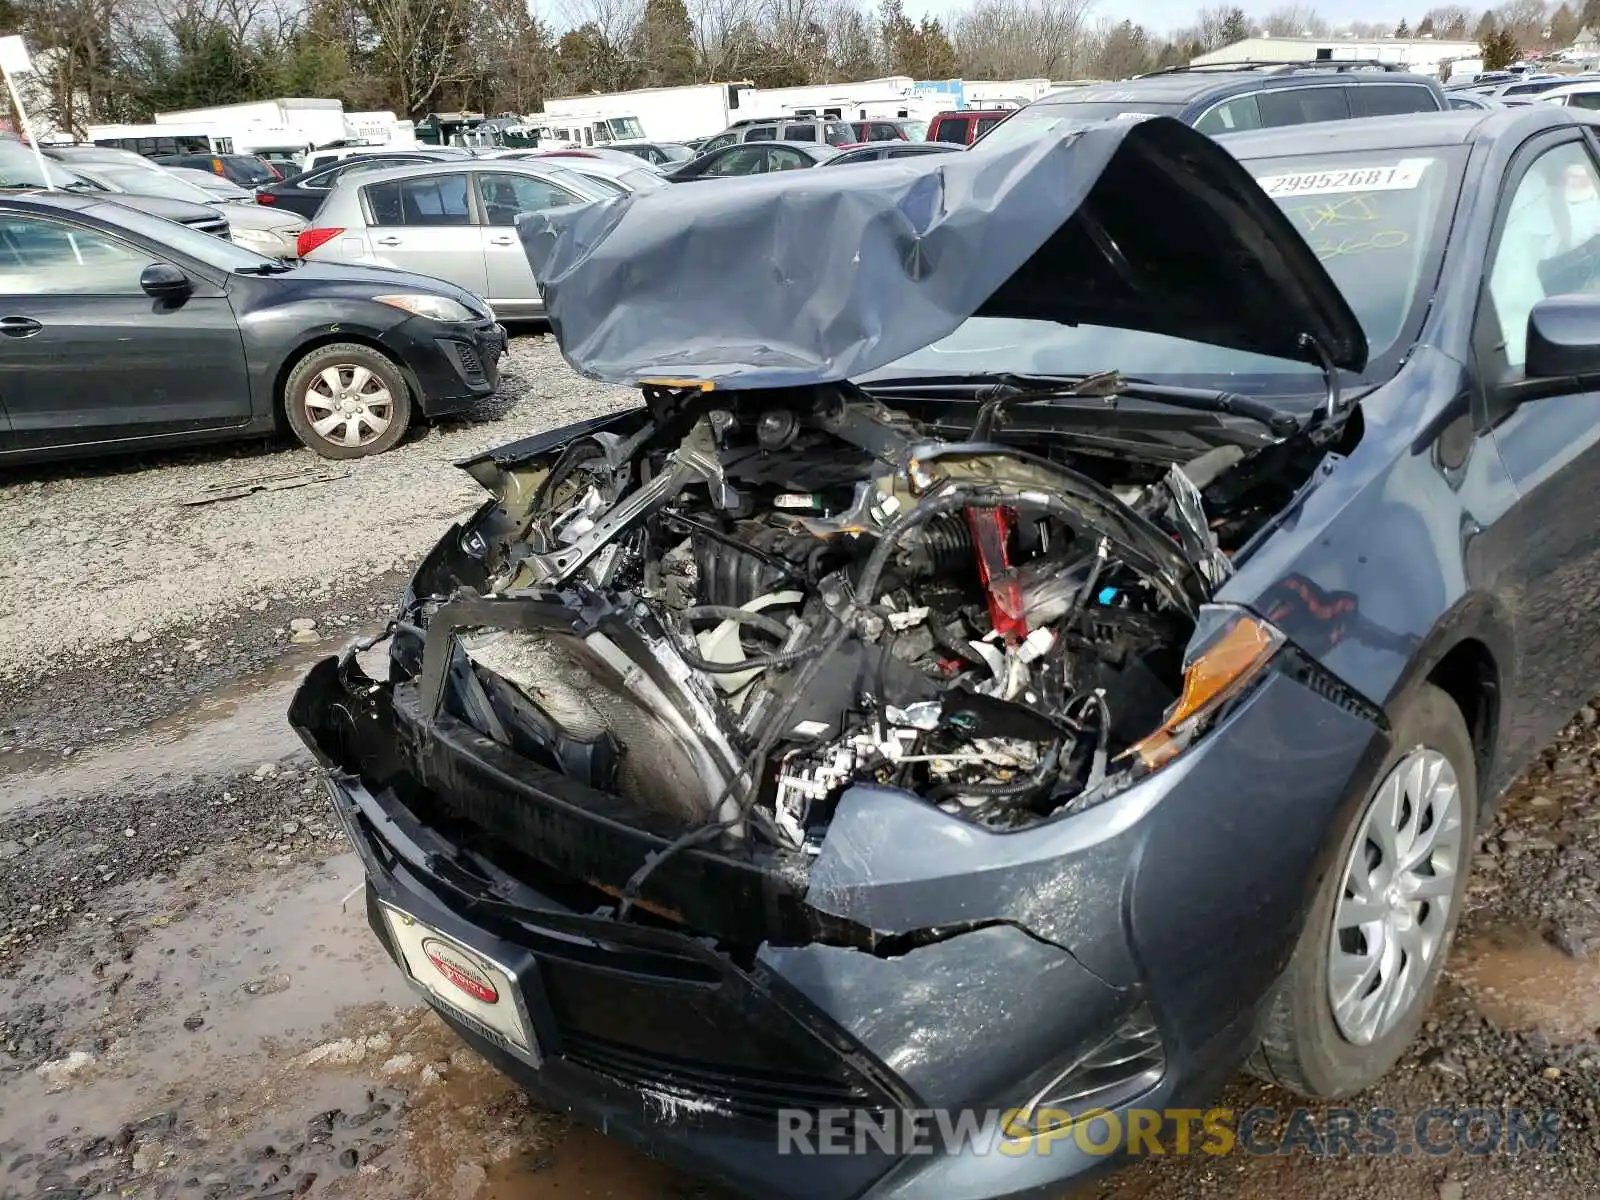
190, 1002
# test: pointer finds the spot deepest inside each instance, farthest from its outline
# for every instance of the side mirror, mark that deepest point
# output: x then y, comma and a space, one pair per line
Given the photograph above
163, 281
1564, 337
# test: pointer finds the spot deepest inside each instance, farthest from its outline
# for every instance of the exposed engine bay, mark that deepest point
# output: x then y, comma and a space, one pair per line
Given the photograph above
771, 596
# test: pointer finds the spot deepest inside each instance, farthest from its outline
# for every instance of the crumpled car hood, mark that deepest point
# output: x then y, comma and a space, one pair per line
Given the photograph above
818, 276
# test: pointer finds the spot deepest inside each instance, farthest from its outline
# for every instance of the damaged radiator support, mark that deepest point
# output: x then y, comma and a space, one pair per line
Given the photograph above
807, 592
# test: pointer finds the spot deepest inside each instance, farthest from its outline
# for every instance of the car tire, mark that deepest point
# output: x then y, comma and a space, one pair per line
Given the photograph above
347, 400
1321, 1046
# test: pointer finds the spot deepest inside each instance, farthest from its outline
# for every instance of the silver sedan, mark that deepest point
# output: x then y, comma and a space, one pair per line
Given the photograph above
453, 220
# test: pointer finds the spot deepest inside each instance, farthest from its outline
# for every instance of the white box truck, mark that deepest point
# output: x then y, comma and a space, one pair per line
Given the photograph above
664, 114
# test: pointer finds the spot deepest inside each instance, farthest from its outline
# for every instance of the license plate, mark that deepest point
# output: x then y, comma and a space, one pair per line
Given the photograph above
472, 986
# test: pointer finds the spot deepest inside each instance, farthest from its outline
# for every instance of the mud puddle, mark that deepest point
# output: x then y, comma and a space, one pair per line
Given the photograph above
1523, 983
587, 1166
236, 726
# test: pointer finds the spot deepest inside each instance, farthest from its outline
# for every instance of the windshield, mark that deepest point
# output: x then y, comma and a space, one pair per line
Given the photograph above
20, 169
642, 181
205, 247
1376, 219
153, 183
915, 131
625, 129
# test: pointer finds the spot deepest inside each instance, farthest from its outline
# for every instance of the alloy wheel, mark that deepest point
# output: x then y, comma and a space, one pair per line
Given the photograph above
348, 404
1393, 913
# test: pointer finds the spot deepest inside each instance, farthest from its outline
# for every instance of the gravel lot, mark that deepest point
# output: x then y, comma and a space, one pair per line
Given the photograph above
102, 552
187, 1010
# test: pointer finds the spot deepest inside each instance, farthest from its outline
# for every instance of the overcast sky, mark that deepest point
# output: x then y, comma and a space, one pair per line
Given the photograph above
1162, 15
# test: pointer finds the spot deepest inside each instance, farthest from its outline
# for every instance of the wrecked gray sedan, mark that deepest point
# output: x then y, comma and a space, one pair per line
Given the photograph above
826, 757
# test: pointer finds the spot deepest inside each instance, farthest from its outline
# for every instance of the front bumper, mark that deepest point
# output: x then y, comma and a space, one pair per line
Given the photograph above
1184, 896
452, 364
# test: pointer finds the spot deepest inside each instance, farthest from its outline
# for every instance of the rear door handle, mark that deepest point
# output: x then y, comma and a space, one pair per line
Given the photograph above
388, 241
19, 327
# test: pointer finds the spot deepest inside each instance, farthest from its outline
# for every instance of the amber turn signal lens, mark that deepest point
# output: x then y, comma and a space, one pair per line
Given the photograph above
1219, 671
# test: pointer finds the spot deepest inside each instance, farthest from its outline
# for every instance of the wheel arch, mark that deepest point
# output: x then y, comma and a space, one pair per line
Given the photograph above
1465, 656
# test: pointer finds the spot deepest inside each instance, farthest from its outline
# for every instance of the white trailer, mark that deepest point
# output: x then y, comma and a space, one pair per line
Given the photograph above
382, 128
319, 122
664, 114
837, 101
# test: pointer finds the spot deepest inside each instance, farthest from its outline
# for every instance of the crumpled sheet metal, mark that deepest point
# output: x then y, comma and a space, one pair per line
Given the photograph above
813, 276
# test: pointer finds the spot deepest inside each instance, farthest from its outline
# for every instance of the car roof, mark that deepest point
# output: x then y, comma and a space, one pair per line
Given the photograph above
1404, 131
1184, 86
452, 166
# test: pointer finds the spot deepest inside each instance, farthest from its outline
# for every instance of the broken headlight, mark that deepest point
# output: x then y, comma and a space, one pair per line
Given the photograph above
1228, 652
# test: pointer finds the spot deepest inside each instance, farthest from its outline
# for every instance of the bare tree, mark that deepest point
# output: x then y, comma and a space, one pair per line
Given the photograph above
1294, 20
725, 34
420, 47
1451, 20
1210, 25
1024, 39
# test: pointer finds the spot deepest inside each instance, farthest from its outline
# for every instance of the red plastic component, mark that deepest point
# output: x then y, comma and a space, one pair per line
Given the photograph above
310, 239
991, 536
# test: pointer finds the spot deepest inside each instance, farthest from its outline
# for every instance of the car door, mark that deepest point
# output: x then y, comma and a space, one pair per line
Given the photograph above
87, 357
424, 223
503, 197
1546, 547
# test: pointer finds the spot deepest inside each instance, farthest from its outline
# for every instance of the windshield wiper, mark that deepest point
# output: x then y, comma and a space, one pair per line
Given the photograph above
266, 268
1003, 389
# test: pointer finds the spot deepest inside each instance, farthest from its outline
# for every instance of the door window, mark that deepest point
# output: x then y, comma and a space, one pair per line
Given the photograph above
781, 158
718, 142
1242, 112
882, 131
506, 196
1387, 99
741, 160
1550, 242
430, 200
952, 129
49, 258
1589, 100
985, 124
1298, 106
799, 133
761, 133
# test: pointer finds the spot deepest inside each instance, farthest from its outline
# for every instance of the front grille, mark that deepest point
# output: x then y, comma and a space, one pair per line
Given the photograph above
213, 225
758, 1094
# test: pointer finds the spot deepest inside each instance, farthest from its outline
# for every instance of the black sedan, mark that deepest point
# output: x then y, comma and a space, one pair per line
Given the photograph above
304, 193
1033, 650
121, 331
246, 170
660, 154
879, 151
751, 158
